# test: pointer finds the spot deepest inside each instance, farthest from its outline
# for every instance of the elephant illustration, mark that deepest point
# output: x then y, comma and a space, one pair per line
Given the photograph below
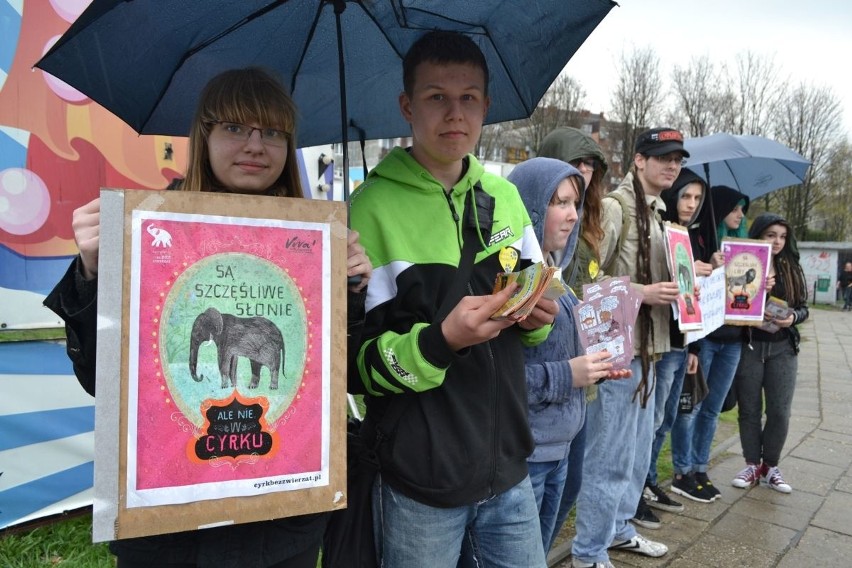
162, 238
255, 338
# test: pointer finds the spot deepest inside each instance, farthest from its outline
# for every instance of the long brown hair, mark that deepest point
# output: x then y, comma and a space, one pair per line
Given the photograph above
592, 230
250, 95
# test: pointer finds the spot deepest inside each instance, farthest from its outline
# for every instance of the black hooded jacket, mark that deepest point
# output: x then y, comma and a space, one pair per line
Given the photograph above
788, 255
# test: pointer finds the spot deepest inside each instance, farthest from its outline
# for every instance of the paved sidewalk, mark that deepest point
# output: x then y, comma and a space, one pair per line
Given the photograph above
760, 527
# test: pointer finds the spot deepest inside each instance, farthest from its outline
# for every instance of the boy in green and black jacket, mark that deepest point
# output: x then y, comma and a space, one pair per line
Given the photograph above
456, 458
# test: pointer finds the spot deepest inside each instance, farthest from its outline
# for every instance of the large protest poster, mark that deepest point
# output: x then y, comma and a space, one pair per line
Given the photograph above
230, 324
746, 267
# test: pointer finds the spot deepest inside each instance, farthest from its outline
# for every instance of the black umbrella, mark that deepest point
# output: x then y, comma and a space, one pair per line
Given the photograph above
147, 62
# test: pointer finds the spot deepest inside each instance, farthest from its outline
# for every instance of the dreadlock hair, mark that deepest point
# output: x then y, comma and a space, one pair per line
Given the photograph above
793, 277
643, 273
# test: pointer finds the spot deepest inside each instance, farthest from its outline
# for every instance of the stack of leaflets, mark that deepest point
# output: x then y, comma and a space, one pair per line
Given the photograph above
605, 319
535, 281
779, 310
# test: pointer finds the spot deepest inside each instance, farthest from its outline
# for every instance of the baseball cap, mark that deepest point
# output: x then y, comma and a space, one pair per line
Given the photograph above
660, 141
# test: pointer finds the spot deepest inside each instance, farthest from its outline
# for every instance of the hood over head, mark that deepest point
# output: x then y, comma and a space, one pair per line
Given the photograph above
765, 220
537, 180
671, 196
725, 199
569, 144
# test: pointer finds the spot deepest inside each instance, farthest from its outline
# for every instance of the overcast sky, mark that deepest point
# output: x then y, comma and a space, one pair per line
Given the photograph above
810, 41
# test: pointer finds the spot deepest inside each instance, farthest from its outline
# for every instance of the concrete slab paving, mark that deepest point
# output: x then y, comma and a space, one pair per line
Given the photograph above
760, 527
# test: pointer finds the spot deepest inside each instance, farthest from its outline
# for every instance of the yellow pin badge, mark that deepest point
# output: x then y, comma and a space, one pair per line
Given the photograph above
508, 259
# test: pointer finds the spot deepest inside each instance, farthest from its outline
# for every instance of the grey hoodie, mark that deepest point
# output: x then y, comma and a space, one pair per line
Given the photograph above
557, 409
567, 144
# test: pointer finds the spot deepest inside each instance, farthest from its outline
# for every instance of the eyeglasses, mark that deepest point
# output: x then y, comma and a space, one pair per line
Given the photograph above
590, 163
676, 159
236, 132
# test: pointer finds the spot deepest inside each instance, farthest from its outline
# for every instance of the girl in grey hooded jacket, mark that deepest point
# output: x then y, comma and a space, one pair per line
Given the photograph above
557, 370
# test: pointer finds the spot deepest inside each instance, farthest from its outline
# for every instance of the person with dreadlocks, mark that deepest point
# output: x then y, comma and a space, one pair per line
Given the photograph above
685, 202
620, 421
768, 365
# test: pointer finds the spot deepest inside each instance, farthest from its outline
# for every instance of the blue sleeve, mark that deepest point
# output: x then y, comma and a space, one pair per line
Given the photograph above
551, 381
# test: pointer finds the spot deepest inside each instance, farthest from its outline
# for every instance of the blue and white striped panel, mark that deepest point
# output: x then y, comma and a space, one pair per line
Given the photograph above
46, 433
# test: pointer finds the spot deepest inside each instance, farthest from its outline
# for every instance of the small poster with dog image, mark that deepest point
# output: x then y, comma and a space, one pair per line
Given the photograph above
229, 343
746, 267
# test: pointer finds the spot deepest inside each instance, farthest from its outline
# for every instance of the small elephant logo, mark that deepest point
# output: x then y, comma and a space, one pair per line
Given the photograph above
255, 338
162, 238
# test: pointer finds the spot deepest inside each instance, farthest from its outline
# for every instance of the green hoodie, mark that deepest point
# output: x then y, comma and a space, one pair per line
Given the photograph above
465, 435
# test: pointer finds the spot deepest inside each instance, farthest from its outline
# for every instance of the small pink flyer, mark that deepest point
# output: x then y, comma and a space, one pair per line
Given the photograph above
229, 357
746, 266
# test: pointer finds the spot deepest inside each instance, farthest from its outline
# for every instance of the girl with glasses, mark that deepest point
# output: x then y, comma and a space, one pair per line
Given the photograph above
242, 140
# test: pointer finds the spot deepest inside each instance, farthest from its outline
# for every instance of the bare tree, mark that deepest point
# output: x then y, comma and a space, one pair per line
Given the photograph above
756, 90
637, 98
701, 99
833, 214
560, 106
490, 145
808, 120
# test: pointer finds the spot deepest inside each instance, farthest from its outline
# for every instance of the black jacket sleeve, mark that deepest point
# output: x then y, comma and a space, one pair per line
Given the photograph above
75, 300
354, 330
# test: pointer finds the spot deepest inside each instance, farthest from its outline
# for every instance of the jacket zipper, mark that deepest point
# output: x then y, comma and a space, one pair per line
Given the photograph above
495, 423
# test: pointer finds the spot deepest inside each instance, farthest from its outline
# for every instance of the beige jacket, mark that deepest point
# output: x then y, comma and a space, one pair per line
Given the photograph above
625, 263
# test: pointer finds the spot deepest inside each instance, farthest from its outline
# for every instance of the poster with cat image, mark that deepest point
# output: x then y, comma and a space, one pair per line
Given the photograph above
230, 315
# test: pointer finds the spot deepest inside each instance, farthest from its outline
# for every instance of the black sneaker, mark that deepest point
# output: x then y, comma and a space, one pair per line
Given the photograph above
645, 517
659, 499
689, 488
702, 479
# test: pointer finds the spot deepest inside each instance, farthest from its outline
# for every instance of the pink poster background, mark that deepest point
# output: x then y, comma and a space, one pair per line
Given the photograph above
746, 265
186, 267
681, 264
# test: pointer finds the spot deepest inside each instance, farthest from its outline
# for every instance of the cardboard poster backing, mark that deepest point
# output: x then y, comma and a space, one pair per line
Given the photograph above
112, 517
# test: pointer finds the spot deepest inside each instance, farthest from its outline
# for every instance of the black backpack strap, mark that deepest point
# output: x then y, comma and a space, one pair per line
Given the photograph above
478, 216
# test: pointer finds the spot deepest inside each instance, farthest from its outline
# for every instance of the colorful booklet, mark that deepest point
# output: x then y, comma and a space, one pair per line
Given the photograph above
606, 317
535, 281
746, 266
779, 310
687, 308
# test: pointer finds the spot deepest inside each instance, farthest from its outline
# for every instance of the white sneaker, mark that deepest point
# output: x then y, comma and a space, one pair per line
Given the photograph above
580, 564
641, 545
773, 479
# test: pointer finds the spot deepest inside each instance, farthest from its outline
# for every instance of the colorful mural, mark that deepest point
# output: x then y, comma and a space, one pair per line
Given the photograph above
57, 149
